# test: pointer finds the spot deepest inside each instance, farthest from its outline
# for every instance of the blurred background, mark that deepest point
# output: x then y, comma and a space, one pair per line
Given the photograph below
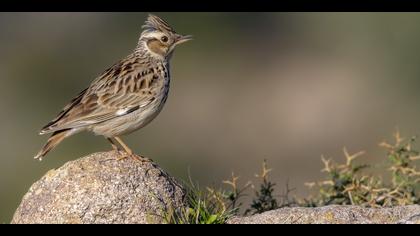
286, 87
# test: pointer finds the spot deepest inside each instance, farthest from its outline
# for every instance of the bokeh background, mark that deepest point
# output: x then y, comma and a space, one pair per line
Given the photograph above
286, 87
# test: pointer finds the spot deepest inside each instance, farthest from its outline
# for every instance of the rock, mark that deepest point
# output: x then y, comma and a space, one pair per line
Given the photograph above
335, 215
100, 189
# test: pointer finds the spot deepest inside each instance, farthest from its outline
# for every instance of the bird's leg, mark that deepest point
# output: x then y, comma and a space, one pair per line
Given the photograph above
114, 146
123, 145
129, 152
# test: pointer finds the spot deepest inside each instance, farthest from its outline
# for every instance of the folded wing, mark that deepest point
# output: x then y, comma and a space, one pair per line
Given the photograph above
112, 95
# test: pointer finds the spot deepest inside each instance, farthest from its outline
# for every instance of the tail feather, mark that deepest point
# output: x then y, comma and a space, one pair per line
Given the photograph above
53, 141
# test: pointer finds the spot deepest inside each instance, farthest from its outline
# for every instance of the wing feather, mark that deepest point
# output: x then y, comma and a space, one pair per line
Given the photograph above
111, 95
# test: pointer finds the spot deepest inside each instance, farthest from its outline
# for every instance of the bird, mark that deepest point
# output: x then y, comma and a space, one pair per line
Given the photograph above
125, 97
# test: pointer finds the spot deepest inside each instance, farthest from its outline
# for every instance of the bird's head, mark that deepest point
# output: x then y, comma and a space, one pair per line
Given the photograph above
159, 39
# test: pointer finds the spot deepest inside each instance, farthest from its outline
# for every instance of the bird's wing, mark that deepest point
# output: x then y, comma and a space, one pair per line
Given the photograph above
117, 92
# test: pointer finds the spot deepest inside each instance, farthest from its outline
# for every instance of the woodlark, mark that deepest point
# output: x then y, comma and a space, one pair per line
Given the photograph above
126, 96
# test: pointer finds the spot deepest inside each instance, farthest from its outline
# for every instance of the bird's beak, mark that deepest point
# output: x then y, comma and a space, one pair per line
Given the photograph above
182, 38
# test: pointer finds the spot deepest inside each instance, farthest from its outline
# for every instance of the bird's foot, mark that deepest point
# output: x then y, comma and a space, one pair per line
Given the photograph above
133, 156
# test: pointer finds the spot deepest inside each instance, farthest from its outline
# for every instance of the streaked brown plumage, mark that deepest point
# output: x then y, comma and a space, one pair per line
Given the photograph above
125, 97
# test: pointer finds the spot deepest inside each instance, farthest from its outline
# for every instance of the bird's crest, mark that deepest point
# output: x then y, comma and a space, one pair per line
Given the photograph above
155, 23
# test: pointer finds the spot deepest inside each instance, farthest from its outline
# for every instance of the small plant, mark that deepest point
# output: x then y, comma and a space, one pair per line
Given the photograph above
265, 200
209, 206
405, 186
233, 196
346, 184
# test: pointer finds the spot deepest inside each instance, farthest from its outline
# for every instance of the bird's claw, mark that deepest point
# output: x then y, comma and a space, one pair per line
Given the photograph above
133, 156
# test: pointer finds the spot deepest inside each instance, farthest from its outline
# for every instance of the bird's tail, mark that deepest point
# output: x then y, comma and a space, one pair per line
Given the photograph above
53, 141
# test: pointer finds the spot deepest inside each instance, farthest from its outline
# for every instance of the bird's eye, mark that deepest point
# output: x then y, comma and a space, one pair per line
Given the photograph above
164, 39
